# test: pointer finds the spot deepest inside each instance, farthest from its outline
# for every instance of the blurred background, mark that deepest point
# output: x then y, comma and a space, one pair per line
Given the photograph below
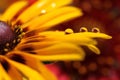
104, 14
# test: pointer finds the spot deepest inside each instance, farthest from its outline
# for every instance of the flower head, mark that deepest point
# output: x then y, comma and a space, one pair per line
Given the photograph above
25, 41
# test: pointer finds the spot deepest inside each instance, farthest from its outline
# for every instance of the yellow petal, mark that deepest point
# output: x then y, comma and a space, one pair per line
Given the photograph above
56, 48
40, 21
95, 35
60, 57
63, 18
73, 56
33, 10
41, 7
94, 49
70, 38
60, 48
76, 38
13, 10
27, 71
35, 45
3, 74
54, 4
14, 73
35, 64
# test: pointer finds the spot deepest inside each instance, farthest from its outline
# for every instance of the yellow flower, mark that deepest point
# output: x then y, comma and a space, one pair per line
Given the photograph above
25, 41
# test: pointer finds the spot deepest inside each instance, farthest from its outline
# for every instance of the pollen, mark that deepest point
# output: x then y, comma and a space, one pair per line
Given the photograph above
9, 37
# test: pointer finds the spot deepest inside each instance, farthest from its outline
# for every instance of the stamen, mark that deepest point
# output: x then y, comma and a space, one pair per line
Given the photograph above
7, 45
6, 50
14, 41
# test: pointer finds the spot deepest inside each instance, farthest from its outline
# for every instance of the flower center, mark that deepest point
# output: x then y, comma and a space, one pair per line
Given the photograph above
8, 38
